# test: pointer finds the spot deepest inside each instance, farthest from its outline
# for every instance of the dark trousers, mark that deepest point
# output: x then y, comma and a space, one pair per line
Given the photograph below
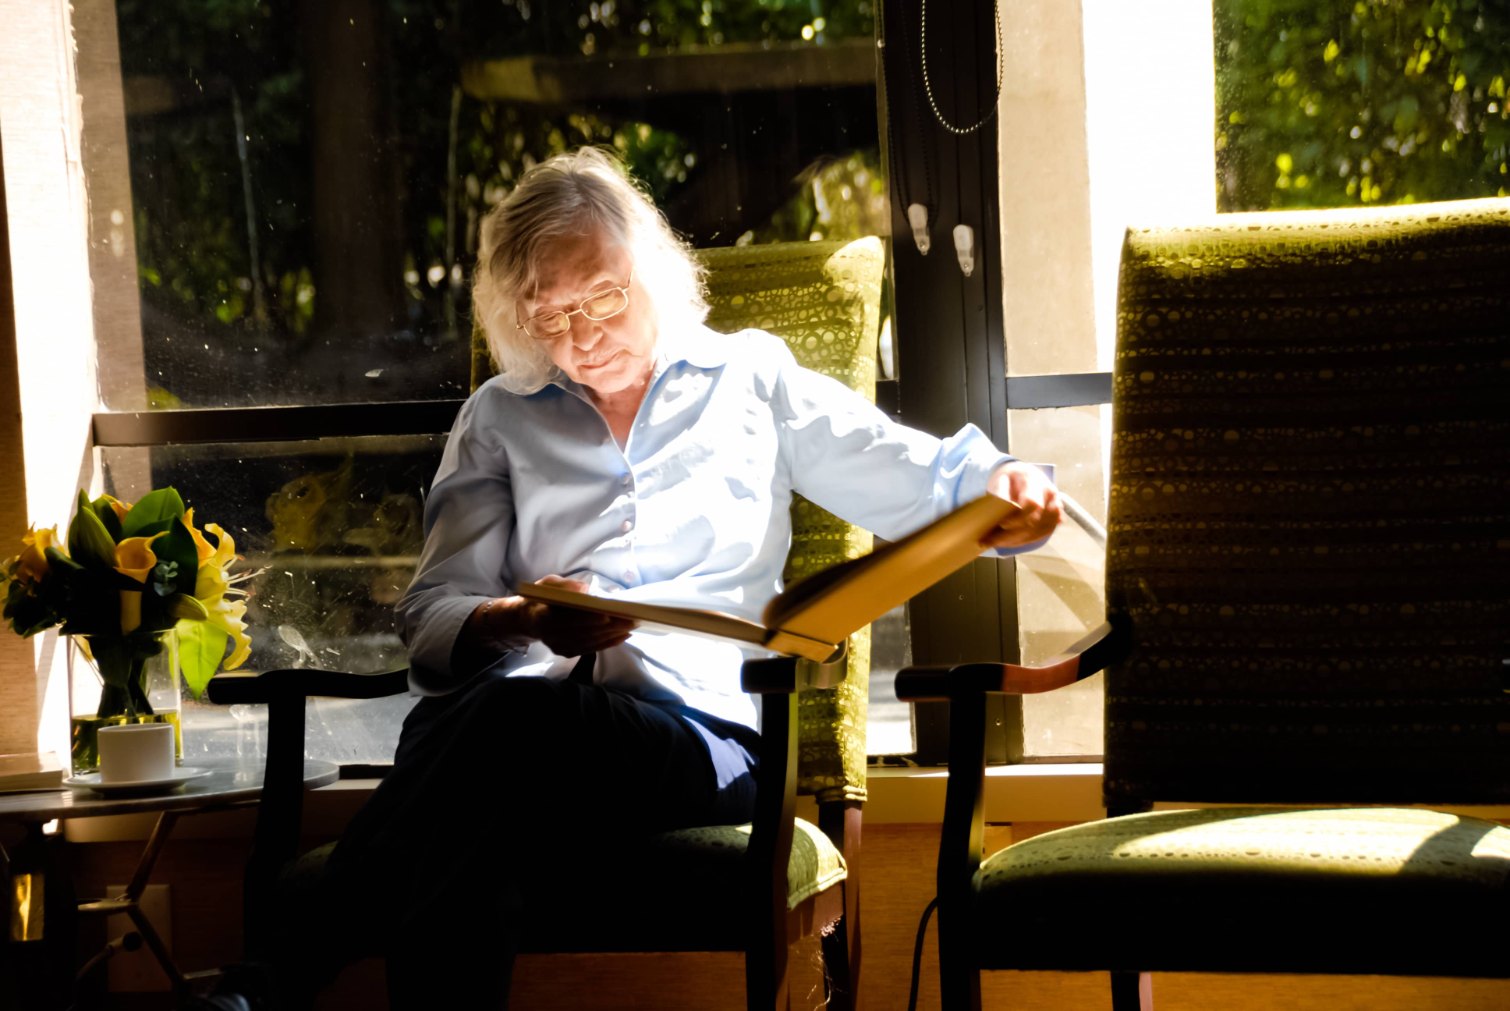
496, 791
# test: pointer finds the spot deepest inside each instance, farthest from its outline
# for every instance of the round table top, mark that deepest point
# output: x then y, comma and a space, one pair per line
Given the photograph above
229, 783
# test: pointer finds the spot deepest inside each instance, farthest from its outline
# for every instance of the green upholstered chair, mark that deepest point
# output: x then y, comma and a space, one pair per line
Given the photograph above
1308, 592
753, 888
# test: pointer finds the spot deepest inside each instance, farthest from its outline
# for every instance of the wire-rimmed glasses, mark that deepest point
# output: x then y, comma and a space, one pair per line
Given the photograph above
598, 306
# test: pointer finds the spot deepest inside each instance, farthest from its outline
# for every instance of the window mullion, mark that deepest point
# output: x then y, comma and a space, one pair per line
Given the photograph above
273, 424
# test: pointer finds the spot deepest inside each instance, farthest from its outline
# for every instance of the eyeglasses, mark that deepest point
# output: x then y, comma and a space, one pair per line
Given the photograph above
598, 306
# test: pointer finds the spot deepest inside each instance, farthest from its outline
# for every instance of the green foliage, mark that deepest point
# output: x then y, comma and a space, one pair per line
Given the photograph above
1337, 102
124, 580
89, 541
201, 647
642, 26
154, 510
195, 266
844, 198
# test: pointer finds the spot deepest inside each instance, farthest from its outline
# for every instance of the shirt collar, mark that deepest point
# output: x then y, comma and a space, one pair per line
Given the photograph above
698, 346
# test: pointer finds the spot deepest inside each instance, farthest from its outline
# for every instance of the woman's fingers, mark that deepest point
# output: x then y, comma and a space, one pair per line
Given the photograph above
1038, 510
568, 631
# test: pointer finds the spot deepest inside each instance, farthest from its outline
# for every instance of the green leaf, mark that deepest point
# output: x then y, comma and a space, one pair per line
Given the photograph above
154, 528
173, 575
154, 507
108, 517
57, 560
201, 647
28, 614
89, 543
182, 607
178, 548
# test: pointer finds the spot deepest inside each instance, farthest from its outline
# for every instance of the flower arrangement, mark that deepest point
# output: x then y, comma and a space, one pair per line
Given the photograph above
126, 575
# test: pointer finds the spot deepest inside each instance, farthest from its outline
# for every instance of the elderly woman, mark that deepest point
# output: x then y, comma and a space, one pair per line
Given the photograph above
626, 449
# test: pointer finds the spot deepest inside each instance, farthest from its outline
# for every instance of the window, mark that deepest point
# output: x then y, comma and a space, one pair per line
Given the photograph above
1108, 116
284, 202
281, 205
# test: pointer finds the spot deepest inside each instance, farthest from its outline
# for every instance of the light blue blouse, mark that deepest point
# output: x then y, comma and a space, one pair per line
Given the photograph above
692, 510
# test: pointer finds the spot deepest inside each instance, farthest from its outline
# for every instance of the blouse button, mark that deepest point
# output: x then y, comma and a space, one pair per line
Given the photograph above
626, 526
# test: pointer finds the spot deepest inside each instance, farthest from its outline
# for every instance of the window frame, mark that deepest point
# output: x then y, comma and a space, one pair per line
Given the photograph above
933, 298
951, 334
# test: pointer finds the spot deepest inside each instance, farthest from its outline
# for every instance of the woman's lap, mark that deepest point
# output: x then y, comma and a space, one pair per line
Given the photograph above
519, 776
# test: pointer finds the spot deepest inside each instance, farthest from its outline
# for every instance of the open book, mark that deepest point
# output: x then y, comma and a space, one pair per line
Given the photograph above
815, 615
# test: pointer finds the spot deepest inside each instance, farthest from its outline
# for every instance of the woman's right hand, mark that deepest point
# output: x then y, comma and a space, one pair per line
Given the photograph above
567, 631
506, 622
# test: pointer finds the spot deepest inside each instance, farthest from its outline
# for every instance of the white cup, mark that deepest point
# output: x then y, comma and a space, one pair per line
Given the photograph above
136, 753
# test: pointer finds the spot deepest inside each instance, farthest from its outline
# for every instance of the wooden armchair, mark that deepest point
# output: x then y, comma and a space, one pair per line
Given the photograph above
1308, 587
753, 888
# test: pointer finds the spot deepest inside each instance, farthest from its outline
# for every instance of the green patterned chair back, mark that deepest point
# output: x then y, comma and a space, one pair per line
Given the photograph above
1310, 509
824, 299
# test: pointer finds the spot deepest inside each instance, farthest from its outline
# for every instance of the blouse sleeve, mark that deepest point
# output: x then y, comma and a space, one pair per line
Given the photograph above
469, 520
847, 456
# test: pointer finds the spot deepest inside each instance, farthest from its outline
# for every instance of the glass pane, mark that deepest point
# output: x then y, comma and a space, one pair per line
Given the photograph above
888, 723
332, 528
1334, 102
307, 179
1061, 587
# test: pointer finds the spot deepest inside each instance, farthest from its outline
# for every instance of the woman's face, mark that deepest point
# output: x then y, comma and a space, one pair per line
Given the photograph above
606, 356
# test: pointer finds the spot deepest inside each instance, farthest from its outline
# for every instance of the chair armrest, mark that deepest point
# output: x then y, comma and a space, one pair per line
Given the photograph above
1095, 652
779, 675
280, 812
233, 688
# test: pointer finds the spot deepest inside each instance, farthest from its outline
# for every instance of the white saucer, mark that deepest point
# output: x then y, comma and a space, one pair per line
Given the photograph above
91, 781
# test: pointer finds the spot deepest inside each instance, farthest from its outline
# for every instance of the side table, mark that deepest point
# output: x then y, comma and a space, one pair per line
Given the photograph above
230, 784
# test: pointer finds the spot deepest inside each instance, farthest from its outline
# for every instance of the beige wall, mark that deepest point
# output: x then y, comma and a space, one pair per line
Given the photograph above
48, 346
17, 692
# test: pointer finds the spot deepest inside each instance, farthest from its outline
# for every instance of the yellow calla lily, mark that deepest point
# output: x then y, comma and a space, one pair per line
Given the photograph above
134, 558
213, 579
202, 546
117, 506
227, 615
32, 563
212, 587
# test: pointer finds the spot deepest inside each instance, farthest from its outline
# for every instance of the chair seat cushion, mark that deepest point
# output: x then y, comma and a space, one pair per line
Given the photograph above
681, 890
1358, 890
676, 891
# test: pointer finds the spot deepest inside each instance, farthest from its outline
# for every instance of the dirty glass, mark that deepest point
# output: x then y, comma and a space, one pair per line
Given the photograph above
329, 532
1335, 103
307, 178
305, 184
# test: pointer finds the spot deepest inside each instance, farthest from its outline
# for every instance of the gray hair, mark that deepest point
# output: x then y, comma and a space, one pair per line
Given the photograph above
581, 192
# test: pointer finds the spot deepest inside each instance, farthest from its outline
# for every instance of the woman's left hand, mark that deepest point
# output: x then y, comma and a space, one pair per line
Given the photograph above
1038, 511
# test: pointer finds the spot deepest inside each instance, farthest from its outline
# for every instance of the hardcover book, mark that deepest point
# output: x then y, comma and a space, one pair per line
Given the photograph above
814, 617
26, 772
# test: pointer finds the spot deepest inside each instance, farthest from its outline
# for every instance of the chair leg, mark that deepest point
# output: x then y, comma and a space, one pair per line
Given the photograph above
767, 978
841, 821
838, 975
959, 977
1132, 991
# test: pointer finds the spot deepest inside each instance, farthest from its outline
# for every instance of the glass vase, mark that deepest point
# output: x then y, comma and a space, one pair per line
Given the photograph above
120, 679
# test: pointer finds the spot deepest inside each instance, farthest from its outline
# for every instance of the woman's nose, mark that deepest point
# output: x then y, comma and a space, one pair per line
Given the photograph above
585, 333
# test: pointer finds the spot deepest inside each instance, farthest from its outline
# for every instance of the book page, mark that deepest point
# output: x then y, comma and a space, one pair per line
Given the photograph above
685, 619
814, 617
840, 599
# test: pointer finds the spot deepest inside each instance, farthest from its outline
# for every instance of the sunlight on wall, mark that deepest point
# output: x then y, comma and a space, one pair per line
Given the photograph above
1106, 120
49, 241
1150, 124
